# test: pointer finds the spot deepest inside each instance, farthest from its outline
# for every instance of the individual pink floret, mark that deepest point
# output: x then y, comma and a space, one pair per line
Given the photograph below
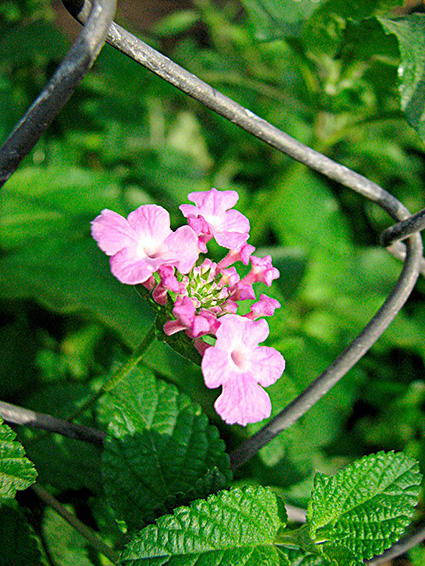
241, 367
187, 319
139, 245
230, 228
262, 271
241, 254
265, 306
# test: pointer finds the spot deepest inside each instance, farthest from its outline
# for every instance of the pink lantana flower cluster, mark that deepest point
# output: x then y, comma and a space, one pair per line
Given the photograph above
200, 297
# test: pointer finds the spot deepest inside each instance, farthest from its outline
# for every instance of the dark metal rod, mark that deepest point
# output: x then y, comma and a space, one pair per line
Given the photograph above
39, 116
414, 223
18, 415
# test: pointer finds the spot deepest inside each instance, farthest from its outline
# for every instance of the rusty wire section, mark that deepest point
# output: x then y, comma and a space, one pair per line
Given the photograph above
98, 25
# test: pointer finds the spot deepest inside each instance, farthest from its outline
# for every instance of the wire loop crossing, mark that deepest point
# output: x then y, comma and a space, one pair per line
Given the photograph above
98, 26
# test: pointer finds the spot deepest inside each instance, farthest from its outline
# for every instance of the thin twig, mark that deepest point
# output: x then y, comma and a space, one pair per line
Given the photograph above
85, 531
20, 416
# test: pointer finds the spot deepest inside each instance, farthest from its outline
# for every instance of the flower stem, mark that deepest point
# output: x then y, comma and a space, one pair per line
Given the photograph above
120, 373
85, 531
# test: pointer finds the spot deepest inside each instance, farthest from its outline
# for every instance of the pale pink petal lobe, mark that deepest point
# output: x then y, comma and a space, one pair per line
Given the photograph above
112, 232
242, 401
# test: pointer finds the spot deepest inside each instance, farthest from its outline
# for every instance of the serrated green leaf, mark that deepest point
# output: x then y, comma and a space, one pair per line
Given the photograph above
410, 32
19, 545
367, 505
160, 451
16, 471
232, 528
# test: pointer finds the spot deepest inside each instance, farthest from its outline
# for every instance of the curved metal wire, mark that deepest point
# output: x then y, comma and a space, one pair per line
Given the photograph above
414, 223
18, 415
72, 70
345, 361
204, 93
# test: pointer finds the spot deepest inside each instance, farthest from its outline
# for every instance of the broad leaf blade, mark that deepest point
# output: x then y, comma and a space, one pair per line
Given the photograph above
367, 505
410, 32
16, 471
232, 528
160, 451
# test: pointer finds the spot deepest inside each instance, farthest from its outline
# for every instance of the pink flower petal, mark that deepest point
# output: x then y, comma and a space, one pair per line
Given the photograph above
144, 242
182, 249
230, 228
216, 367
213, 201
128, 268
243, 401
112, 232
151, 223
238, 364
267, 365
265, 306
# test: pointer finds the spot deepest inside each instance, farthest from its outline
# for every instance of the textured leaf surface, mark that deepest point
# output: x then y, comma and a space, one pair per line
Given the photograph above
367, 505
232, 528
410, 32
19, 545
16, 471
160, 451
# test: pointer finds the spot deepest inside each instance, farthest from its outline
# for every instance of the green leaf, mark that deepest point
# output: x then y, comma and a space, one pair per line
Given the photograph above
410, 32
417, 555
232, 528
66, 546
72, 275
16, 471
19, 545
338, 555
359, 10
366, 506
160, 451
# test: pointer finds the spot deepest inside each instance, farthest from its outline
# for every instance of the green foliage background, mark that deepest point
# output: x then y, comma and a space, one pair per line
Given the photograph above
126, 138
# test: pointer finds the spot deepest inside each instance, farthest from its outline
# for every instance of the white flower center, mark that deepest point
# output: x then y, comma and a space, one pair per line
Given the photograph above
149, 249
